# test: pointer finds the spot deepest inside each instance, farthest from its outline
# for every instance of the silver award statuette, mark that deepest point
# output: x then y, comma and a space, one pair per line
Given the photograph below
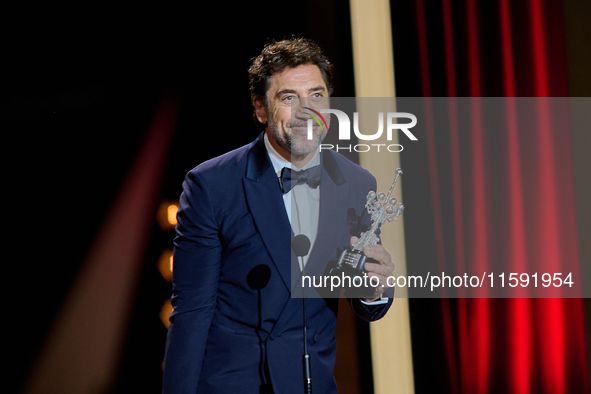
382, 209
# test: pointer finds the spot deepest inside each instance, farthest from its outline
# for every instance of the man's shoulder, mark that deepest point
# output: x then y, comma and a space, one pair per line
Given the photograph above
227, 164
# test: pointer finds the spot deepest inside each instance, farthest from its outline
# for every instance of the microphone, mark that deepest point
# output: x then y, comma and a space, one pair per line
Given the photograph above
258, 277
300, 244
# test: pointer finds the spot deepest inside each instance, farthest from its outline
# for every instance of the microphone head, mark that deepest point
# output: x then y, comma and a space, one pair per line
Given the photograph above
258, 277
300, 245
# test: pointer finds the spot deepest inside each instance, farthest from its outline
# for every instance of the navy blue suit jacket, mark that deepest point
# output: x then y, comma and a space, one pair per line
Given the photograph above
228, 334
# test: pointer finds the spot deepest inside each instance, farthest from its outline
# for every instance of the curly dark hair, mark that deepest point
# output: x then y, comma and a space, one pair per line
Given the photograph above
279, 55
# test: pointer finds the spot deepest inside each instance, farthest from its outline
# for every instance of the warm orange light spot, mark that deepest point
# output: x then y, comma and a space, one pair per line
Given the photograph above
165, 265
172, 210
165, 313
166, 215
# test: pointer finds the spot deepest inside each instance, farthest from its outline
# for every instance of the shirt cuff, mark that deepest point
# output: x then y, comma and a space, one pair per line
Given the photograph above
382, 300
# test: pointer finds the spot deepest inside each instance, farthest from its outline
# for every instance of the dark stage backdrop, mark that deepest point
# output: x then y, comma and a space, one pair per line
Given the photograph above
83, 83
82, 86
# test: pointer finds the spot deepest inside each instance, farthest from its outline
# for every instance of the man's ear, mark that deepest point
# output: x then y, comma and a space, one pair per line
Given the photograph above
259, 110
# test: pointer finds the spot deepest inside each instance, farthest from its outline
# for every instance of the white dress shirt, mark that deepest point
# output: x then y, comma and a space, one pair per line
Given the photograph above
302, 203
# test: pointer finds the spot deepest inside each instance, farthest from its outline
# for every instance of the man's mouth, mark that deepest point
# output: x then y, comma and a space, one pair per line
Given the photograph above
302, 132
299, 126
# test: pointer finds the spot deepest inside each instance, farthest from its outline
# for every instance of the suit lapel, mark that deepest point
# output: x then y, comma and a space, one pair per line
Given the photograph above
265, 200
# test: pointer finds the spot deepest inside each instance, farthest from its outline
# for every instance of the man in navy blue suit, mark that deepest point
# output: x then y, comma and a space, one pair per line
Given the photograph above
236, 328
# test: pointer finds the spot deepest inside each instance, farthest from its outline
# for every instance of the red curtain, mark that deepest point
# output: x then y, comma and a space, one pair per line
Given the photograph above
498, 48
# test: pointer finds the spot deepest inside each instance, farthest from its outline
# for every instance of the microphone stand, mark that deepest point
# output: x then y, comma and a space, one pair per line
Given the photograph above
300, 244
306, 356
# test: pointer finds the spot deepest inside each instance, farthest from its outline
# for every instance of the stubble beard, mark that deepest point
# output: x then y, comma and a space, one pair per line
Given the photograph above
297, 144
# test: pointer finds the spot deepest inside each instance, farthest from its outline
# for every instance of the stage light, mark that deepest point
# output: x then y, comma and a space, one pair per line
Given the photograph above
165, 265
166, 215
165, 312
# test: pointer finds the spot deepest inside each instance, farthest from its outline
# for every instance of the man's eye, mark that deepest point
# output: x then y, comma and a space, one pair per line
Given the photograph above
317, 96
289, 99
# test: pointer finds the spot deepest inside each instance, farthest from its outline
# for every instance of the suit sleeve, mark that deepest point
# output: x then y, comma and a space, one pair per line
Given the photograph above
196, 271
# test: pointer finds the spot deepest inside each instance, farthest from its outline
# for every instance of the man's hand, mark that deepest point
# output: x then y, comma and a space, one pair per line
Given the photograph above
380, 270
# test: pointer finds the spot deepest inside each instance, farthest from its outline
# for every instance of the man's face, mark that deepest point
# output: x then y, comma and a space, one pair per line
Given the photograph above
285, 122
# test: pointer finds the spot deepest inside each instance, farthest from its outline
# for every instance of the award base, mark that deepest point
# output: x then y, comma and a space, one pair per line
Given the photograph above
354, 279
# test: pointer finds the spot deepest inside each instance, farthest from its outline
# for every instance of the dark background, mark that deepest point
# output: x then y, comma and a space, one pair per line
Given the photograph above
81, 86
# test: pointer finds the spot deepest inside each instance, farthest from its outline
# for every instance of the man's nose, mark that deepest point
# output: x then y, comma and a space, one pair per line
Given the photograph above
304, 101
301, 112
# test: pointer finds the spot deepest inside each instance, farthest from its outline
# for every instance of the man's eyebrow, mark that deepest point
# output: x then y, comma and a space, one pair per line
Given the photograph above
318, 89
285, 91
292, 91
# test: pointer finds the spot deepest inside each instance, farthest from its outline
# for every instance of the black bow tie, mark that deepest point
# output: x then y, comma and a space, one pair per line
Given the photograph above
290, 178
